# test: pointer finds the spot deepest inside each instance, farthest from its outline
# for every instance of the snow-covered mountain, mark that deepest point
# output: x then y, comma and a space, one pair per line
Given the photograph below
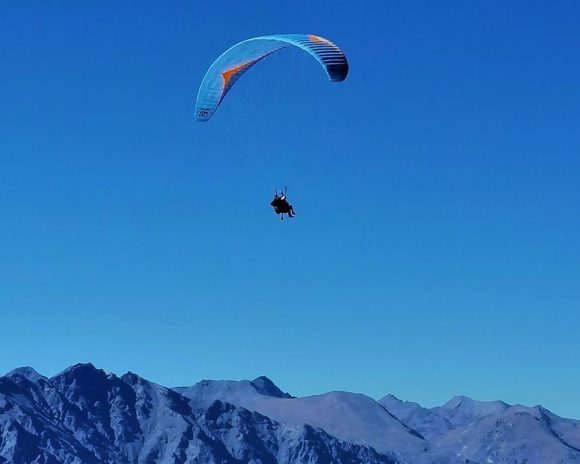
84, 415
493, 431
348, 416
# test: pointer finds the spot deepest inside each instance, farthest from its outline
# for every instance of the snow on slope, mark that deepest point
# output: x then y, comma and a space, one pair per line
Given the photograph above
352, 417
461, 410
493, 431
424, 421
85, 416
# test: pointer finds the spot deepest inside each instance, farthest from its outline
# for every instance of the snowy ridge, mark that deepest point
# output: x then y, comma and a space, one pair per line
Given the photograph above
351, 417
86, 416
493, 431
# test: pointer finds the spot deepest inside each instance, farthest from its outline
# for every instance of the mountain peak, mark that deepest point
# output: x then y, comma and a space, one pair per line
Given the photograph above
457, 401
27, 372
461, 401
82, 373
398, 407
390, 398
462, 410
266, 387
80, 368
130, 377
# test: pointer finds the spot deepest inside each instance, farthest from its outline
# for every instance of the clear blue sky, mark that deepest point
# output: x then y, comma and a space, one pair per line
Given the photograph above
436, 248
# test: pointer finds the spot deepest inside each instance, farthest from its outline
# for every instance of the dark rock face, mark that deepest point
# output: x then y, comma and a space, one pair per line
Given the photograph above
266, 387
86, 416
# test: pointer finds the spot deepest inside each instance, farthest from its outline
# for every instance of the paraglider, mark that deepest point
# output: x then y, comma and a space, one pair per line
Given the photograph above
232, 64
281, 205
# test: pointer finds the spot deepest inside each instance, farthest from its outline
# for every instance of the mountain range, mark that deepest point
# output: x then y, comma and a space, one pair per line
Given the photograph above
86, 416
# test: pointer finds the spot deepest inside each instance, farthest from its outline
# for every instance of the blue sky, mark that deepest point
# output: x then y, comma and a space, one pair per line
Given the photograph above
435, 251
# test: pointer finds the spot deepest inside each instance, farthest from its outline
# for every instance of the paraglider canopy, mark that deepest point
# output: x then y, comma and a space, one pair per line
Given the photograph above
232, 64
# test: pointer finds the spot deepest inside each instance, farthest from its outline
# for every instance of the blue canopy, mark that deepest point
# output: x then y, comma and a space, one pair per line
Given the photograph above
232, 64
